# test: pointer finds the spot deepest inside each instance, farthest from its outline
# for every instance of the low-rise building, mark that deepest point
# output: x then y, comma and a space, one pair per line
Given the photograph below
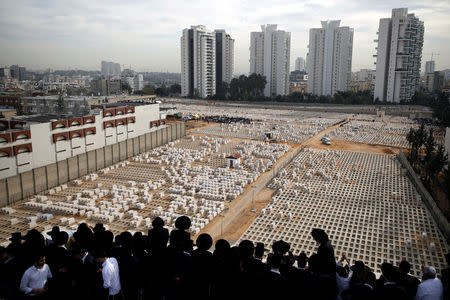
30, 142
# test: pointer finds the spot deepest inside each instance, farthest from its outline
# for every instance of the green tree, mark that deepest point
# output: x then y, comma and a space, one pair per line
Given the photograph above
19, 108
148, 90
416, 138
430, 145
126, 87
175, 88
446, 183
435, 164
60, 105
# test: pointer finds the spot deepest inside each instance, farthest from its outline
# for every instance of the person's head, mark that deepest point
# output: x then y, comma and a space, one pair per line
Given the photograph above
183, 223
319, 236
158, 223
428, 273
404, 267
98, 228
221, 246
77, 251
302, 260
341, 271
61, 238
359, 267
259, 250
204, 241
281, 247
246, 249
100, 256
389, 271
274, 260
39, 260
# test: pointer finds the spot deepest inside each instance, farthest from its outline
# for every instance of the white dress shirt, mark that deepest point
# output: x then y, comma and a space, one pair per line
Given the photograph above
34, 278
343, 283
430, 289
110, 274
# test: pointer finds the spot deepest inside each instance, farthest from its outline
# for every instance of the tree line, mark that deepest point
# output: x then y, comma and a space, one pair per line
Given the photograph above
428, 158
251, 88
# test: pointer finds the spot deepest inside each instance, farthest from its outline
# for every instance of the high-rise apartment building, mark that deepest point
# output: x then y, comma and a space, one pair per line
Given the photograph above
198, 62
300, 64
110, 68
399, 54
329, 62
14, 69
429, 66
224, 58
5, 72
270, 52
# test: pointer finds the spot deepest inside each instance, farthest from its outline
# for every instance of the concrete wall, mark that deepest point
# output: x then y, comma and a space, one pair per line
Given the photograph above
3, 193
18, 187
429, 202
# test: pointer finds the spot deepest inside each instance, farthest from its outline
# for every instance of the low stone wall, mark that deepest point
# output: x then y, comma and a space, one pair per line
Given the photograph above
429, 202
21, 186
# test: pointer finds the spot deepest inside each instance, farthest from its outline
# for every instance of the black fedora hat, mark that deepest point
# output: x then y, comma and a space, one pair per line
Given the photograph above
55, 230
16, 236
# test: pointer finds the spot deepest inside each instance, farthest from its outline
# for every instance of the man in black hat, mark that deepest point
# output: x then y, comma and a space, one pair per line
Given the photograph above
53, 234
16, 238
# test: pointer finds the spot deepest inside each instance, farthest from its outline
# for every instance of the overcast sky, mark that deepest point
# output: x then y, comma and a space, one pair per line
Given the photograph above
146, 34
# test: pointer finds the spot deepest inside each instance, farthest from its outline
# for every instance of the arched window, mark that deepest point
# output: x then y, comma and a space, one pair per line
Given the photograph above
21, 137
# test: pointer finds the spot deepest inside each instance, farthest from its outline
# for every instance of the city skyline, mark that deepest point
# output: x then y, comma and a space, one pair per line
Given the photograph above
78, 35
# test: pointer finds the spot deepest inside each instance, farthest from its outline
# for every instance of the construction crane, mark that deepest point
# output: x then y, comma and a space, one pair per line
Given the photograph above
432, 54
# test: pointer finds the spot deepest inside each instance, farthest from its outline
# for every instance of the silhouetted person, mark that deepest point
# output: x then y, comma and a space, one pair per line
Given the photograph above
158, 236
222, 271
276, 284
88, 281
59, 261
180, 260
408, 282
202, 267
325, 267
445, 273
389, 289
9, 274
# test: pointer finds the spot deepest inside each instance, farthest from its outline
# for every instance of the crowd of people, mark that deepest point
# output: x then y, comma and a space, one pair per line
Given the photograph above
93, 264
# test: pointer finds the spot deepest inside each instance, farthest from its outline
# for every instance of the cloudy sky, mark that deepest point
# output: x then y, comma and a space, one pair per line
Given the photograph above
145, 33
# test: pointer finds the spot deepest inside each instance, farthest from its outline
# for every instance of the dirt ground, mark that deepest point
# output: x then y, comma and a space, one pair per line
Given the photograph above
242, 220
193, 124
355, 147
245, 217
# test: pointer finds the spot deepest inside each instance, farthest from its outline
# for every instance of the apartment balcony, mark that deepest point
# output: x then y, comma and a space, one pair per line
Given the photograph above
401, 70
402, 54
